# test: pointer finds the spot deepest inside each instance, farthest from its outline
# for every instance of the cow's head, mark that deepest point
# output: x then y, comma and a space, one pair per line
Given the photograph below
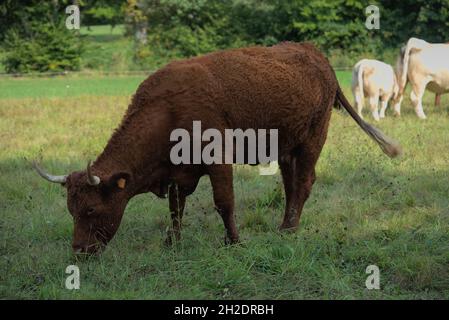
96, 204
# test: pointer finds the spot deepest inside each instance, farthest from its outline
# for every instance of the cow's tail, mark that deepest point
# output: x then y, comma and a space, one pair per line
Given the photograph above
390, 147
396, 87
404, 69
360, 81
412, 44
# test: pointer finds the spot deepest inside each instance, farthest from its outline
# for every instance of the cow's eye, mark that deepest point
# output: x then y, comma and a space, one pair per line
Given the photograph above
90, 211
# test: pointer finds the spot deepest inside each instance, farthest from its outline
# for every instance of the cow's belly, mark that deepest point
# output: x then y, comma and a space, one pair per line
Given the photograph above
437, 80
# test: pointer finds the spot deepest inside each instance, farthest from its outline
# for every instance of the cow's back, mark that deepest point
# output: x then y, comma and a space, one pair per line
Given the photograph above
287, 87
272, 87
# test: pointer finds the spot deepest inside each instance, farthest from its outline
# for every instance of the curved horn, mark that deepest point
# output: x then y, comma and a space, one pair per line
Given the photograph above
91, 179
49, 177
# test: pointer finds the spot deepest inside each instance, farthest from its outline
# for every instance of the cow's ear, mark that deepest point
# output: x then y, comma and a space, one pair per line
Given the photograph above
119, 180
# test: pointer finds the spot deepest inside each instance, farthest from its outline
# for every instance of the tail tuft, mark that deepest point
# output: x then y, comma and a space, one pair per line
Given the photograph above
389, 146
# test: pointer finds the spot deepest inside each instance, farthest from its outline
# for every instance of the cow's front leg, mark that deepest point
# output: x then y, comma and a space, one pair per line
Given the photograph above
177, 201
221, 180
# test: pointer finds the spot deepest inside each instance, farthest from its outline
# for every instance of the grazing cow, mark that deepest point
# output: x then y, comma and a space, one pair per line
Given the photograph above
290, 87
425, 65
374, 79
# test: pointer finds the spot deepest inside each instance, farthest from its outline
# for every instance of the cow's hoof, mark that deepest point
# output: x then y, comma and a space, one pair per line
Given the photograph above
172, 237
288, 228
168, 242
230, 240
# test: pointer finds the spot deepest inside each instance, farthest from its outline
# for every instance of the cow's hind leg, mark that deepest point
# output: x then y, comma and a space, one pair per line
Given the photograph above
177, 201
374, 106
384, 104
221, 180
437, 100
416, 97
358, 99
299, 176
397, 105
298, 171
288, 169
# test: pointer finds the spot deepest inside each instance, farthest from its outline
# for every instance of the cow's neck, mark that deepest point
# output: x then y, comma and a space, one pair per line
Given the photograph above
137, 147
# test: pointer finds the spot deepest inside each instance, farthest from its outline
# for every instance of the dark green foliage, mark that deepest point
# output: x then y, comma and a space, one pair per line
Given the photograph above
191, 27
35, 37
167, 29
51, 48
424, 19
102, 12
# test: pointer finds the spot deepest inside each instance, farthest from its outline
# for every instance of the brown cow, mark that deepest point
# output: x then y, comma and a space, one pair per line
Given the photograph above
290, 87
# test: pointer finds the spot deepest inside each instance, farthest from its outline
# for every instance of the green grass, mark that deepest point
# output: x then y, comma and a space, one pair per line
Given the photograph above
74, 86
64, 87
107, 49
103, 31
365, 209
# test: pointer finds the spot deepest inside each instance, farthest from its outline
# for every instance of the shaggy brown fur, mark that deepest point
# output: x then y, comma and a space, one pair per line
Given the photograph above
290, 87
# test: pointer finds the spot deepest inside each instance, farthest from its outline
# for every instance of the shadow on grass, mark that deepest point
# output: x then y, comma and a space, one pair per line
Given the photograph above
383, 215
390, 189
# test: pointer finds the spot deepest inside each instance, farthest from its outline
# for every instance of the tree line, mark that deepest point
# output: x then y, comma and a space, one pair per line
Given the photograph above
34, 37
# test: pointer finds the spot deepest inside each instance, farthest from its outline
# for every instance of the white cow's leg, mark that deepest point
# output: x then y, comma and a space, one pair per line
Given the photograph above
384, 105
374, 106
397, 106
358, 101
416, 97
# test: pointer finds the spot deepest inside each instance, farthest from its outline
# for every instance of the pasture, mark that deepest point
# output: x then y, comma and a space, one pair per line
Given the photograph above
365, 209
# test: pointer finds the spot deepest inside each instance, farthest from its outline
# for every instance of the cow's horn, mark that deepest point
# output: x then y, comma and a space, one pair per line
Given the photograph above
91, 179
49, 177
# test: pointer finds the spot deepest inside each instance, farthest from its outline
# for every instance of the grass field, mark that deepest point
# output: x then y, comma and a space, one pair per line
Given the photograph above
66, 87
365, 209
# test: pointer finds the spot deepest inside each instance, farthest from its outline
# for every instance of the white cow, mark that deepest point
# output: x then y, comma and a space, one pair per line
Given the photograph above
374, 79
425, 65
